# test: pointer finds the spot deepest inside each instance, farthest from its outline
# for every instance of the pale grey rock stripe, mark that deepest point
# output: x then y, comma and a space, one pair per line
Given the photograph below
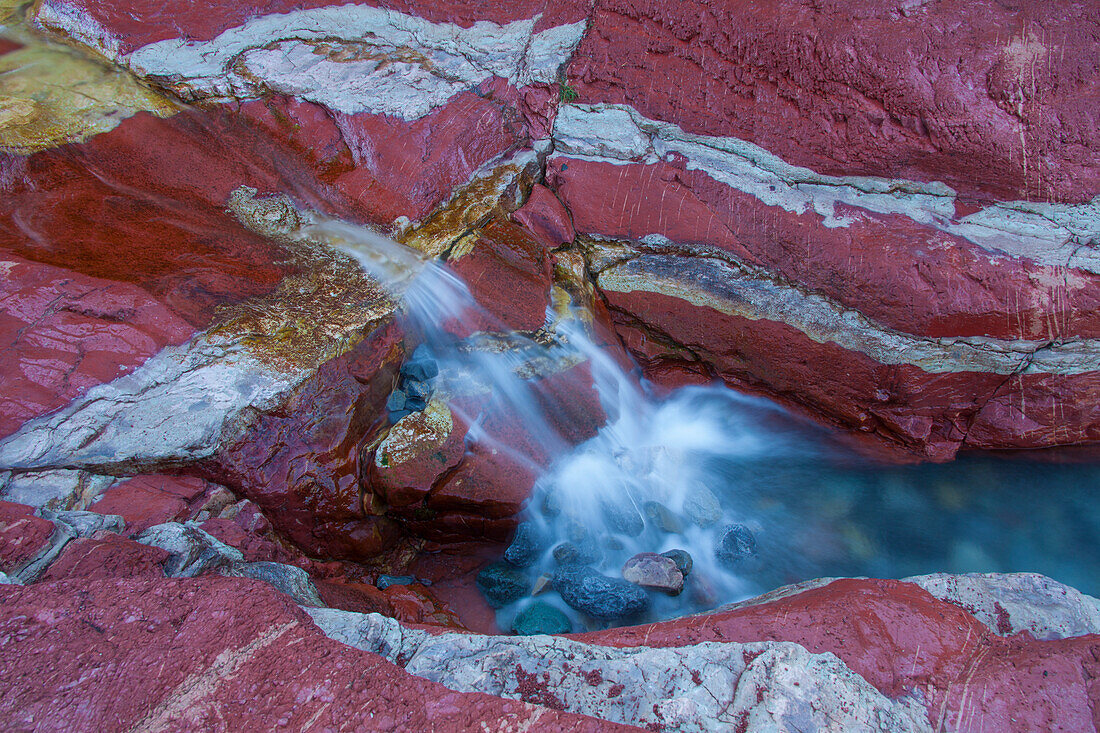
1009, 603
425, 63
1051, 234
714, 283
170, 411
54, 490
709, 686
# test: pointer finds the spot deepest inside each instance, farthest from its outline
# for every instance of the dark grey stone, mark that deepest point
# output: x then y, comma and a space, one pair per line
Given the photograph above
396, 401
737, 544
682, 559
421, 366
526, 546
385, 581
597, 595
502, 584
570, 553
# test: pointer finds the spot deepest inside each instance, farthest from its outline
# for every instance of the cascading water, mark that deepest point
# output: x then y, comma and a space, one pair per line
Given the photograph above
754, 496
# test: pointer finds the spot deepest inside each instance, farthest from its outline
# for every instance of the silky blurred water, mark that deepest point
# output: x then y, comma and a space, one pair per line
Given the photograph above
676, 471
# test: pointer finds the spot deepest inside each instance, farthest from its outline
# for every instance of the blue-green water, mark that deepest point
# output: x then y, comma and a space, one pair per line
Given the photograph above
845, 517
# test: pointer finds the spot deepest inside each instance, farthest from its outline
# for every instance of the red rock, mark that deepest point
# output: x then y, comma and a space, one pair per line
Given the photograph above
902, 639
414, 455
902, 274
508, 273
414, 604
145, 501
159, 189
569, 402
408, 168
925, 411
22, 535
62, 332
106, 556
224, 653
546, 218
1039, 409
255, 546
301, 464
7, 46
633, 201
488, 484
867, 88
140, 22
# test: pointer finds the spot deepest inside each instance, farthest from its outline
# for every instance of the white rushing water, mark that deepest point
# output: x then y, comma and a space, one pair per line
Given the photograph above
653, 479
676, 471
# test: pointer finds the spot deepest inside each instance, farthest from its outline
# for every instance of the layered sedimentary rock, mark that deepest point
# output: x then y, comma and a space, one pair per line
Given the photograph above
925, 219
883, 214
851, 654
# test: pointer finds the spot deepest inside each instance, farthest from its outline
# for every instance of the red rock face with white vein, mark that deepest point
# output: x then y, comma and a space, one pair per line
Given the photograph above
885, 215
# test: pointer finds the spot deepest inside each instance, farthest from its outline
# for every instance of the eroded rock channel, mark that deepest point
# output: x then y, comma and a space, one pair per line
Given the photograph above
531, 367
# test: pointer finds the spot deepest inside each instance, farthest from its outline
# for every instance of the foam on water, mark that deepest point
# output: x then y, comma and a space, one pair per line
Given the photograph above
690, 464
655, 458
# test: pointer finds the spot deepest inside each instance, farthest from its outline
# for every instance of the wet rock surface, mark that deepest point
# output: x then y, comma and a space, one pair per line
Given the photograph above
502, 584
657, 572
598, 595
541, 618
210, 417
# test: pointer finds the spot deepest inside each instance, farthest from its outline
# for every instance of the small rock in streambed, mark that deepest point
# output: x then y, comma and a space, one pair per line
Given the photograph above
737, 544
597, 595
551, 504
396, 401
526, 547
622, 517
569, 553
682, 559
421, 366
418, 390
650, 570
701, 507
541, 618
542, 584
662, 518
385, 581
502, 584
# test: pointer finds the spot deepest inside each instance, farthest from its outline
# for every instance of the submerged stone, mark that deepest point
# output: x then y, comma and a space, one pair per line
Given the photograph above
662, 517
569, 553
597, 595
502, 584
623, 518
737, 544
420, 370
650, 570
682, 559
526, 546
541, 618
385, 581
702, 507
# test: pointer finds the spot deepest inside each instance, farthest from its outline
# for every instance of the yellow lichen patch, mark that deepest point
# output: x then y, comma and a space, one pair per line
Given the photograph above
51, 95
416, 434
314, 315
9, 9
469, 210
